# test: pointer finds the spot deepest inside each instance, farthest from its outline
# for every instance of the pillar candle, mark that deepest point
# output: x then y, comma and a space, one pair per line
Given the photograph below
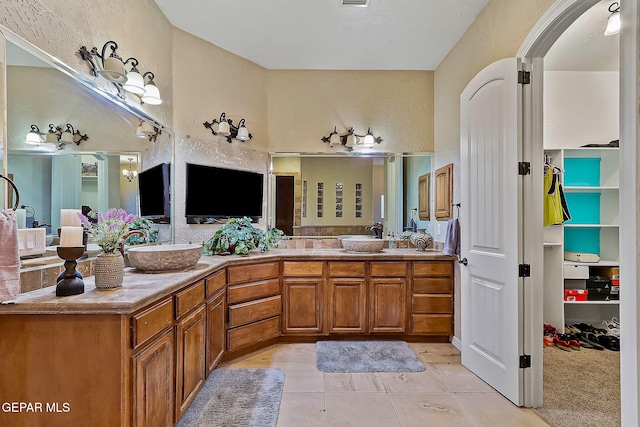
69, 218
71, 236
21, 216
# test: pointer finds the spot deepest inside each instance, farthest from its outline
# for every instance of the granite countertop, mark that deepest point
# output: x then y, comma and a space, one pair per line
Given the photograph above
141, 288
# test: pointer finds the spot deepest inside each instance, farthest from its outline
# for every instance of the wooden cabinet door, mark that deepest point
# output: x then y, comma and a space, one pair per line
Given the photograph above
346, 305
444, 192
387, 307
190, 358
215, 331
302, 300
153, 383
424, 197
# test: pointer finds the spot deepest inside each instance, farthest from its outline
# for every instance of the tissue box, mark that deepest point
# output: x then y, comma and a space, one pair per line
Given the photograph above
31, 241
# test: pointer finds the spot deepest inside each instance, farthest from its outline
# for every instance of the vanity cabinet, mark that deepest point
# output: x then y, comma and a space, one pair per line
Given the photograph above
347, 297
215, 286
254, 304
190, 345
387, 297
432, 298
302, 291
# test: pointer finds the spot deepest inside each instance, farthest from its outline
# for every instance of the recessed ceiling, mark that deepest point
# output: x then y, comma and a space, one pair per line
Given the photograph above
327, 35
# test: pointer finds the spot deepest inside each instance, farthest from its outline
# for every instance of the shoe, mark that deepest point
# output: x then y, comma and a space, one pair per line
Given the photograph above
611, 327
547, 340
609, 342
591, 339
572, 329
572, 339
561, 344
549, 329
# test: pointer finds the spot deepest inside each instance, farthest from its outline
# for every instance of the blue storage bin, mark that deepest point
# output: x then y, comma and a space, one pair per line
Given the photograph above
582, 240
579, 171
583, 207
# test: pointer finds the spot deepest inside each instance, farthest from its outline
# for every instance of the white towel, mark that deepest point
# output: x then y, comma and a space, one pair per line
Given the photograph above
9, 256
452, 238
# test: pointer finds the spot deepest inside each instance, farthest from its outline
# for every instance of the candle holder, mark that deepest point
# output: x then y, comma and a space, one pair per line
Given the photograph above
70, 281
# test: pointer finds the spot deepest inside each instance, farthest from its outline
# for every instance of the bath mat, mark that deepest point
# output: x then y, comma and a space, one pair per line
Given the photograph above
237, 398
366, 356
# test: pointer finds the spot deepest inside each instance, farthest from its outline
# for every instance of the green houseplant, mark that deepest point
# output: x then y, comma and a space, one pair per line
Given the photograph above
239, 236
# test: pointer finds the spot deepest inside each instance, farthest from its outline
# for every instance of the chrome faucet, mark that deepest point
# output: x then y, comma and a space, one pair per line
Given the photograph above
375, 229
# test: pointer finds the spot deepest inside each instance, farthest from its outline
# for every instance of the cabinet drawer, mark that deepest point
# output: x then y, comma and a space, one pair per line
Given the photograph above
149, 322
428, 285
431, 303
434, 324
347, 269
241, 314
432, 268
256, 290
251, 273
388, 269
253, 333
189, 298
216, 282
302, 268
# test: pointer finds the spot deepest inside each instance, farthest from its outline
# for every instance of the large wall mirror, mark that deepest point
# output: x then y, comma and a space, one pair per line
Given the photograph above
343, 194
43, 94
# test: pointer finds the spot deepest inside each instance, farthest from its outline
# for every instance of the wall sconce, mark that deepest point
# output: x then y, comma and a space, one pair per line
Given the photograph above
113, 69
130, 174
71, 135
351, 139
226, 128
54, 133
34, 137
147, 131
613, 22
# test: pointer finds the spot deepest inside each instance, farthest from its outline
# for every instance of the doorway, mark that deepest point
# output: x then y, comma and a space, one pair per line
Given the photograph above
285, 202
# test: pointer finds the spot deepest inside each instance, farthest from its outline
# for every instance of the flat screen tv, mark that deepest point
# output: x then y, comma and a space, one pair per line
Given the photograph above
214, 192
154, 193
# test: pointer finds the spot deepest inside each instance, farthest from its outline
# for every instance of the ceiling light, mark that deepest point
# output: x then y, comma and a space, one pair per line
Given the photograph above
130, 174
227, 128
613, 22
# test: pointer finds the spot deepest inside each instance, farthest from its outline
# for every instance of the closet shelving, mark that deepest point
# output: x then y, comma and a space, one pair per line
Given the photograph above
590, 181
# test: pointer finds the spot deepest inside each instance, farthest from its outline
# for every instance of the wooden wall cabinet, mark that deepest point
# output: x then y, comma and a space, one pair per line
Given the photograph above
444, 192
424, 197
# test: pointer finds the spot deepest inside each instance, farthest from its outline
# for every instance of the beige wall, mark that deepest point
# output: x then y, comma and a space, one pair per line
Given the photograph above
305, 105
497, 33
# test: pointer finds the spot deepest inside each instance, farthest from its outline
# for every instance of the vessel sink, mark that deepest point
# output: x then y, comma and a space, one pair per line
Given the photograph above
362, 244
164, 257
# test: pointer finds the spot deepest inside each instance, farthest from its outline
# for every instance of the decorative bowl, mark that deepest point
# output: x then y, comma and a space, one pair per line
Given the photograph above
164, 257
362, 244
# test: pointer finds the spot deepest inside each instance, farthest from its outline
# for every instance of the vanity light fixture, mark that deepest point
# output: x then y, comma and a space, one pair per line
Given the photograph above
147, 131
54, 133
613, 22
227, 128
112, 68
130, 174
351, 139
71, 135
34, 137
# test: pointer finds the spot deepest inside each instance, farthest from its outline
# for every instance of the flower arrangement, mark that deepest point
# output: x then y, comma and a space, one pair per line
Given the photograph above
110, 229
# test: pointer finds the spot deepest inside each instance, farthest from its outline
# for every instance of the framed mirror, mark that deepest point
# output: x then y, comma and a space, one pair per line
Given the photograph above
97, 167
343, 194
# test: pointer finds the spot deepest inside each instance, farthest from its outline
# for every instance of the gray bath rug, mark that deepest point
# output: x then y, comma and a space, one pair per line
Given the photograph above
236, 398
366, 356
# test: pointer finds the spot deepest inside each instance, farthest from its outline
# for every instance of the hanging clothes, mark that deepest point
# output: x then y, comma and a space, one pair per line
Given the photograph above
556, 210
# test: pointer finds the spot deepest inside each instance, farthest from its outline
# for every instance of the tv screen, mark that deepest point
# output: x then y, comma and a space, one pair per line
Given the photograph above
214, 192
153, 190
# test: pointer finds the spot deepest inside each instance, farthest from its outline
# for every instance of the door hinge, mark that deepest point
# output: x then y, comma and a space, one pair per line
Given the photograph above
524, 168
524, 77
524, 270
525, 361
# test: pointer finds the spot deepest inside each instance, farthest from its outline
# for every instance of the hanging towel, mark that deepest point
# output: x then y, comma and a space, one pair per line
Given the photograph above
555, 208
9, 256
452, 238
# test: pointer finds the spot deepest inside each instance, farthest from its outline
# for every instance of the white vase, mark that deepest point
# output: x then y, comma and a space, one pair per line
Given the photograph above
109, 270
421, 240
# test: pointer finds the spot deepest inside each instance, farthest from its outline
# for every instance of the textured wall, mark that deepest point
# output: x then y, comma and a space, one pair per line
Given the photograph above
305, 105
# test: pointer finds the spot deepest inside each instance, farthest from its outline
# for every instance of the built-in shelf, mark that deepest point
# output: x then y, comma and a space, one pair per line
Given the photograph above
593, 302
601, 263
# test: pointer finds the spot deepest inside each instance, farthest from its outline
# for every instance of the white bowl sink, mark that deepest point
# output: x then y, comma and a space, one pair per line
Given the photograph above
164, 257
362, 244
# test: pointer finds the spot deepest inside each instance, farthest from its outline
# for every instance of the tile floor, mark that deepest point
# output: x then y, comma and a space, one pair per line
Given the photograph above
445, 394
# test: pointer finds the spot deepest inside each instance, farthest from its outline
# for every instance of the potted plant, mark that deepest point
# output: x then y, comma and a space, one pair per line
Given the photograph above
149, 233
239, 236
